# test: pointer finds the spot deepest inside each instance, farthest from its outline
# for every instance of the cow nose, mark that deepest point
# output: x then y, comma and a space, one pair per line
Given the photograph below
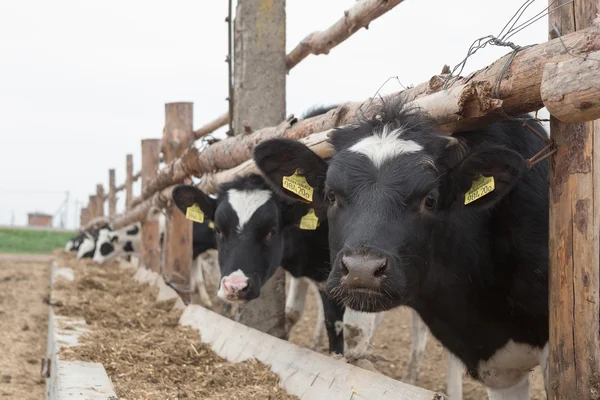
234, 287
363, 270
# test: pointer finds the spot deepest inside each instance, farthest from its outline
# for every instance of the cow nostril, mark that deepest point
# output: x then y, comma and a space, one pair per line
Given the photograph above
344, 266
380, 270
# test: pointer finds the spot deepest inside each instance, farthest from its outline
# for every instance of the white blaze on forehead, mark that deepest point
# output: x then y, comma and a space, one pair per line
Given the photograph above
381, 147
246, 202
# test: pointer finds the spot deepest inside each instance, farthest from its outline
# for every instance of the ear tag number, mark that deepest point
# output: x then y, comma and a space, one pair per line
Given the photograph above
481, 186
194, 213
211, 225
297, 184
310, 221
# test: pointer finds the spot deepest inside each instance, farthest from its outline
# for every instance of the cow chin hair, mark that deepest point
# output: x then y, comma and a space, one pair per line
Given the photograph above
376, 301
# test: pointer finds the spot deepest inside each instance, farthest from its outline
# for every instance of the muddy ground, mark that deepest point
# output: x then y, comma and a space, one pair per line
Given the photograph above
392, 343
24, 283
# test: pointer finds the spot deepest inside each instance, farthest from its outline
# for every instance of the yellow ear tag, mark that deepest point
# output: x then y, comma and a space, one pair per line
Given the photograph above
310, 221
211, 225
297, 184
194, 213
481, 186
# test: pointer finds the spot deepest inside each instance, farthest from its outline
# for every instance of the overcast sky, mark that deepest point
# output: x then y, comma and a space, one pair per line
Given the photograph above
82, 82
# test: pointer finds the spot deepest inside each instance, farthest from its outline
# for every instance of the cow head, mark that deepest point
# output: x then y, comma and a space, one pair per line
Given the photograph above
248, 223
111, 244
394, 180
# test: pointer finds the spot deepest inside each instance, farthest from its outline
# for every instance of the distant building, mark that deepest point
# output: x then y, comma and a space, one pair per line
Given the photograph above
39, 219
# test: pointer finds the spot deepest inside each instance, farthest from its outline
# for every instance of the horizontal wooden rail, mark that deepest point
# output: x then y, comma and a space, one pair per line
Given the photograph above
469, 102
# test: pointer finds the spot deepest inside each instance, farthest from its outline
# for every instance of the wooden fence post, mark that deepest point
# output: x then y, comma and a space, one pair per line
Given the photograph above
112, 193
84, 216
92, 206
150, 233
177, 245
259, 102
574, 177
129, 181
100, 200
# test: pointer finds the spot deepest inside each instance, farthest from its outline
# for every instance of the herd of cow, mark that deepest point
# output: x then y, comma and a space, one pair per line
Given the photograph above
453, 226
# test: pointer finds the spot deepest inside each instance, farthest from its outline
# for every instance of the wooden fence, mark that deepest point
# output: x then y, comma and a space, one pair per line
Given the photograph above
562, 74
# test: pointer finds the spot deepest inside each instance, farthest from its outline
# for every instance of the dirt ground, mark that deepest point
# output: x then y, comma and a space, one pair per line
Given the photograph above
24, 282
392, 342
145, 352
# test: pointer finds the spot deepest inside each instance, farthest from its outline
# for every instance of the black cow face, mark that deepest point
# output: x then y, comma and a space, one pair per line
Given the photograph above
248, 221
393, 180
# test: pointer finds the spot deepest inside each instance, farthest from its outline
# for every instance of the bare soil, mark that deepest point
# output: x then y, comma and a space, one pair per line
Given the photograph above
391, 347
145, 352
24, 325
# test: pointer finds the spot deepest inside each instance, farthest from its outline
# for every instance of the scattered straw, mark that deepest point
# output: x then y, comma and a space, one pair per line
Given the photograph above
145, 352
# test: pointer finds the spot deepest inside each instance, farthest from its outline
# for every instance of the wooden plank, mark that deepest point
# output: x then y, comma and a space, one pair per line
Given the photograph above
178, 135
150, 233
128, 181
112, 193
92, 206
99, 200
574, 303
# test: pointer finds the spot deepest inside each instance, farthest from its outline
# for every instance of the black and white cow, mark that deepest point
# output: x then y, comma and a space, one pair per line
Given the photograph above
111, 244
412, 222
257, 231
87, 248
74, 243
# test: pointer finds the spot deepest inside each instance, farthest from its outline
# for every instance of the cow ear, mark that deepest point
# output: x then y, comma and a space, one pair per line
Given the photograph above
280, 159
484, 177
186, 196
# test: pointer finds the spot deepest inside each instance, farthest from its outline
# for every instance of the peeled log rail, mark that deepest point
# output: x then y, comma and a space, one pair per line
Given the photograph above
357, 17
212, 126
519, 93
571, 89
321, 42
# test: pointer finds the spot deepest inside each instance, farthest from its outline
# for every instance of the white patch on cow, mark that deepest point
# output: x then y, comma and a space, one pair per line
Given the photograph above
319, 332
454, 377
382, 147
418, 343
544, 365
519, 391
236, 279
339, 327
295, 301
68, 245
359, 329
86, 246
246, 202
508, 366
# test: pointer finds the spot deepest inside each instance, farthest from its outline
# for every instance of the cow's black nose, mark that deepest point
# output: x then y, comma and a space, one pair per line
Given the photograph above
363, 270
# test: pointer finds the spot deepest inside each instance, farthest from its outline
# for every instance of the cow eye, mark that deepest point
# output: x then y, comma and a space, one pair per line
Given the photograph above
430, 201
271, 233
218, 231
331, 197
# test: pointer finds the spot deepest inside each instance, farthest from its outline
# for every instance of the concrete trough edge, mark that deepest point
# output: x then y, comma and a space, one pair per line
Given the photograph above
302, 372
71, 379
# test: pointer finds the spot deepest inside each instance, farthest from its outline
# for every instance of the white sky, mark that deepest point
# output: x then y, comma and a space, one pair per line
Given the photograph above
82, 82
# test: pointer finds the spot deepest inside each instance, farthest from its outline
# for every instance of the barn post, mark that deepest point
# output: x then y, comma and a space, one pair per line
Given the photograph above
92, 206
112, 193
178, 135
150, 231
574, 177
129, 181
259, 101
100, 200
